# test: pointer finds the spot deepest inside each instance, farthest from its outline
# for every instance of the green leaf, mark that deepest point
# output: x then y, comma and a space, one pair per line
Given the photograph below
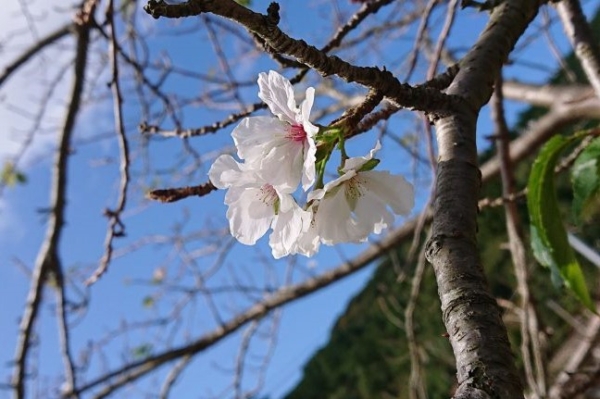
548, 235
585, 177
10, 176
245, 3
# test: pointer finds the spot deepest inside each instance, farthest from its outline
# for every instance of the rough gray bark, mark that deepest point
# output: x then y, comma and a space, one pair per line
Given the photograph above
485, 364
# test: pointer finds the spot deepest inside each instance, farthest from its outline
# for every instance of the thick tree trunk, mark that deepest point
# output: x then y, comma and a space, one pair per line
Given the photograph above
485, 364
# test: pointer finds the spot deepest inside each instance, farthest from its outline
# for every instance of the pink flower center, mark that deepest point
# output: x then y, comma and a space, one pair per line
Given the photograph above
268, 195
297, 133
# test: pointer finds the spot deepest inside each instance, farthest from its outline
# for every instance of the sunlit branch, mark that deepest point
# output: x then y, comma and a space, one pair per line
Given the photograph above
539, 131
580, 34
48, 263
116, 227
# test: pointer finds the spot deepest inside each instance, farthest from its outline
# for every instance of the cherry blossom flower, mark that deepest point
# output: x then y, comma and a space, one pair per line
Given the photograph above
255, 205
356, 204
282, 148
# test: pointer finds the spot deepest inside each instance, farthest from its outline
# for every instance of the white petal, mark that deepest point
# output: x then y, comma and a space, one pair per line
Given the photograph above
286, 230
282, 167
309, 241
305, 108
308, 168
254, 137
287, 202
331, 186
393, 190
243, 227
357, 162
372, 215
233, 195
334, 220
277, 92
225, 172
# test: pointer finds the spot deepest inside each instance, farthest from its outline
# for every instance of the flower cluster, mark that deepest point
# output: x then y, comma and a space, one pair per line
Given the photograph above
280, 153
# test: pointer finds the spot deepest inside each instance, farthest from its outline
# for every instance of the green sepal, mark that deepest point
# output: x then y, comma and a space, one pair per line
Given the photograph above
328, 135
369, 165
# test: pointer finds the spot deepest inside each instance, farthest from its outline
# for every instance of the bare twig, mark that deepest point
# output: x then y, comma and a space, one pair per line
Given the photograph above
48, 262
587, 339
116, 227
38, 46
420, 37
115, 379
580, 34
173, 376
176, 194
538, 132
536, 379
416, 381
424, 99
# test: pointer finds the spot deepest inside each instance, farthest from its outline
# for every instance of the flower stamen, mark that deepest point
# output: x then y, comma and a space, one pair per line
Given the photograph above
297, 133
268, 195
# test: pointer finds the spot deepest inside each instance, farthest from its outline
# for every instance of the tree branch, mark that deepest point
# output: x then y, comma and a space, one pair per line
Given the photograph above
48, 262
116, 227
401, 94
35, 49
582, 39
132, 371
485, 365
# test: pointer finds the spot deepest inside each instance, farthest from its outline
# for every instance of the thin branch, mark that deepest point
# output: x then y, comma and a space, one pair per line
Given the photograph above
420, 36
48, 261
176, 194
576, 358
38, 46
352, 117
223, 61
241, 358
416, 380
539, 131
173, 376
64, 337
368, 8
132, 371
403, 95
213, 128
582, 38
116, 227
529, 335
549, 96
556, 53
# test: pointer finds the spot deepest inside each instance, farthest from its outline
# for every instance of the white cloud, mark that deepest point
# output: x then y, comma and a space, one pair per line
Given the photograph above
23, 23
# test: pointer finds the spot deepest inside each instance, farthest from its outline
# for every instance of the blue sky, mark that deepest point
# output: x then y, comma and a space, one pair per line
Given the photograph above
118, 298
